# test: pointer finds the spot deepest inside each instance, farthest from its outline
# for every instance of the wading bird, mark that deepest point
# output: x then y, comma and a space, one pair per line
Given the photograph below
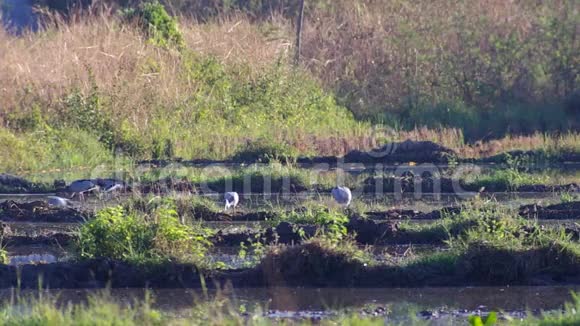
56, 201
109, 184
342, 195
79, 187
231, 199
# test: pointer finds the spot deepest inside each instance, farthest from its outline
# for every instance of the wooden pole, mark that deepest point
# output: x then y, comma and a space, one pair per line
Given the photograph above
299, 33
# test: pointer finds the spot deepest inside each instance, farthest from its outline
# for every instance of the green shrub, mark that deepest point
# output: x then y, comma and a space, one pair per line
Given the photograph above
332, 223
117, 234
159, 26
87, 113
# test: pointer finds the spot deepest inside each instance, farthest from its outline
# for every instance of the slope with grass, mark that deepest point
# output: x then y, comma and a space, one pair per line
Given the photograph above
142, 84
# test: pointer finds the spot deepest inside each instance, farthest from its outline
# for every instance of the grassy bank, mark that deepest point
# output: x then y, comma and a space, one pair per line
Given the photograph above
81, 90
123, 90
479, 66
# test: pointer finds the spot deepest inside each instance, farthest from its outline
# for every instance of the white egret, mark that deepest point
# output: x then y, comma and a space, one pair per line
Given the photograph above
231, 199
55, 201
342, 195
109, 183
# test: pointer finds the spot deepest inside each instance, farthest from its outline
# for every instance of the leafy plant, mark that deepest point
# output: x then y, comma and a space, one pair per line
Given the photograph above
332, 224
115, 234
118, 234
490, 320
567, 197
256, 248
160, 27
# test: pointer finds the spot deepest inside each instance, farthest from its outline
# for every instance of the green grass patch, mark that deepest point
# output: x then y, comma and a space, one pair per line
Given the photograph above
159, 236
506, 180
262, 179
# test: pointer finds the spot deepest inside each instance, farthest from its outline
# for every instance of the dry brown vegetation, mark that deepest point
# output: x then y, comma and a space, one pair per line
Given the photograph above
440, 71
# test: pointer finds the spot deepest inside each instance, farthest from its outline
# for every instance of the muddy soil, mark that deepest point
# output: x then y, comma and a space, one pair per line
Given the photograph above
393, 153
305, 265
428, 184
38, 211
569, 210
9, 237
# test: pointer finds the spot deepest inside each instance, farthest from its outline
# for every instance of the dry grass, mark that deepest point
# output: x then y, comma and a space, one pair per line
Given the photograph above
387, 55
234, 39
569, 142
100, 51
382, 59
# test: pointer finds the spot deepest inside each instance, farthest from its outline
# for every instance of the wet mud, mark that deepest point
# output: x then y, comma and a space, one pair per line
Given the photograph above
38, 211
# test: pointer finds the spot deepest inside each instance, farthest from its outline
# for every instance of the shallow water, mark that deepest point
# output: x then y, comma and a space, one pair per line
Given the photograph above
282, 302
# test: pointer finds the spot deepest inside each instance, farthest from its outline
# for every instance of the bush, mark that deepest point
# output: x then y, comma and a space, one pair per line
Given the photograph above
159, 26
332, 223
117, 234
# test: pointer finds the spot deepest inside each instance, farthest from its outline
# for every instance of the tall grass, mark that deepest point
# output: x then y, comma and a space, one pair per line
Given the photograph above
103, 76
484, 70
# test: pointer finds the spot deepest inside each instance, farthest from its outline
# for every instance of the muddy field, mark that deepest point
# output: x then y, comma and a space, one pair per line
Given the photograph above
397, 233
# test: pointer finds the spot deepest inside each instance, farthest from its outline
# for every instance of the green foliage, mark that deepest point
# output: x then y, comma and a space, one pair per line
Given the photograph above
490, 320
332, 224
87, 113
118, 234
510, 178
254, 251
52, 148
265, 150
567, 197
115, 234
4, 256
159, 26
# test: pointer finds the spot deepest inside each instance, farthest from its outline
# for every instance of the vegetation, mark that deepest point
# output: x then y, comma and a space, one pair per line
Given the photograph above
332, 224
103, 87
117, 234
156, 23
160, 87
506, 180
103, 309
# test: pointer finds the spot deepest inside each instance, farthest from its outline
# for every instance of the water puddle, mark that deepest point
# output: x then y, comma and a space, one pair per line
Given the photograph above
35, 254
33, 259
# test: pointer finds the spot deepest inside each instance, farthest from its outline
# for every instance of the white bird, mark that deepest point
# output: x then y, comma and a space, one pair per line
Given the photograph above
56, 201
114, 187
342, 195
79, 187
108, 183
231, 199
